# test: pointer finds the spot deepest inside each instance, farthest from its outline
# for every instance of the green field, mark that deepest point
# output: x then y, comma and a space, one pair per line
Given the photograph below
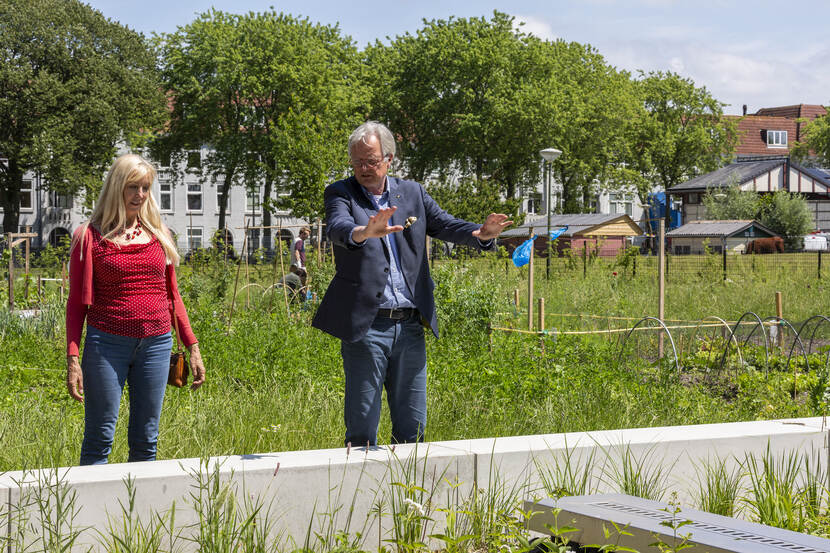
275, 383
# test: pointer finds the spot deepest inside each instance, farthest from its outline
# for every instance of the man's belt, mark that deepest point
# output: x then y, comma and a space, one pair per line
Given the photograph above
396, 314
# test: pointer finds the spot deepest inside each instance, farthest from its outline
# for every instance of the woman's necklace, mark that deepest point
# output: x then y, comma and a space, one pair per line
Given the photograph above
133, 232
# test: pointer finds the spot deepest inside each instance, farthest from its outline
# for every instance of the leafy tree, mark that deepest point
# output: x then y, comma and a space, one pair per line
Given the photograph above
471, 199
275, 97
72, 84
782, 212
683, 132
788, 215
732, 203
200, 68
476, 97
816, 142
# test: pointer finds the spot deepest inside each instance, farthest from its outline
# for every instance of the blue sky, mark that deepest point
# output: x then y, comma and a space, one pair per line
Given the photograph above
757, 52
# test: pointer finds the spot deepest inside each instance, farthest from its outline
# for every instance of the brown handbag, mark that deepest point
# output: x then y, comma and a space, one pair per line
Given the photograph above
179, 367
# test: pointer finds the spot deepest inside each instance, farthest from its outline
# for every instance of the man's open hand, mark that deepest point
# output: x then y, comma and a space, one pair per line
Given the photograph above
377, 226
492, 227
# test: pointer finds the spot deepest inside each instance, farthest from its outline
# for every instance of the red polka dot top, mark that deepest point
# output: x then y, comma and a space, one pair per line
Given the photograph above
122, 289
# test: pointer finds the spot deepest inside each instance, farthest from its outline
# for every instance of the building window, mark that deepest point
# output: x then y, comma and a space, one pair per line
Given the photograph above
194, 197
165, 196
26, 195
777, 139
194, 160
194, 238
254, 201
534, 202
694, 198
219, 189
162, 159
620, 204
61, 201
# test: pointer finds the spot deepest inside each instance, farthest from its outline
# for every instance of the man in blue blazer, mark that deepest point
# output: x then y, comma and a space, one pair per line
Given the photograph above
381, 293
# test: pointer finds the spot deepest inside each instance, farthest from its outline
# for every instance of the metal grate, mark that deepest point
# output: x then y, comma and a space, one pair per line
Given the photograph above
732, 533
641, 519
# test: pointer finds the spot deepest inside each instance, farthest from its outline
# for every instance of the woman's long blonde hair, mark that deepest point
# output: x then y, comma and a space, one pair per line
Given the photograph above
109, 215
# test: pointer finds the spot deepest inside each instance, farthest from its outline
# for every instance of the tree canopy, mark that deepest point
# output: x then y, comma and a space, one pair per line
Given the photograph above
274, 96
72, 84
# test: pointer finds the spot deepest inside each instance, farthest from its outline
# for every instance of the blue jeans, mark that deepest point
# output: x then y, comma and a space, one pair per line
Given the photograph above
110, 361
391, 355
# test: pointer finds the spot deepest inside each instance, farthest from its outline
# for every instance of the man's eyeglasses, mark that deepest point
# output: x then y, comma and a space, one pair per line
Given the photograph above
370, 163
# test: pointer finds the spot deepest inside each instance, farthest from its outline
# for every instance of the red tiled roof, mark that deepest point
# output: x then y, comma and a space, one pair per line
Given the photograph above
752, 129
810, 111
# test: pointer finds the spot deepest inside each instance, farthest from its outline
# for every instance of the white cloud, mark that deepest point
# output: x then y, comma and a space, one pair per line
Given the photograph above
535, 26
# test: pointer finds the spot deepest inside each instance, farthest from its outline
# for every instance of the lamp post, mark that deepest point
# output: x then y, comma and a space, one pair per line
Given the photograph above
548, 155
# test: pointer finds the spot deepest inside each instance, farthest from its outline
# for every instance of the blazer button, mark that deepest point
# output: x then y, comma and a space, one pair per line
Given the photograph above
379, 294
386, 269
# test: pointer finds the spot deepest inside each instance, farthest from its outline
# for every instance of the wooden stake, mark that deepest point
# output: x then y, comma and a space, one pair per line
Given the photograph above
319, 243
11, 270
27, 250
541, 314
661, 283
516, 301
530, 286
236, 280
282, 272
779, 305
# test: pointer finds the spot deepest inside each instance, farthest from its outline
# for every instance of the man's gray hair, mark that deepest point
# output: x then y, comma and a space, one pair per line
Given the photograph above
379, 130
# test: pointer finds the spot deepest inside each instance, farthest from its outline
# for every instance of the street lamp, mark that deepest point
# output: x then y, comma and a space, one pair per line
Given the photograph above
548, 155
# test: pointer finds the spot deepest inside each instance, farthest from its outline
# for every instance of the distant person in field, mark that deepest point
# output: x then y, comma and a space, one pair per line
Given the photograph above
299, 248
294, 280
381, 293
123, 283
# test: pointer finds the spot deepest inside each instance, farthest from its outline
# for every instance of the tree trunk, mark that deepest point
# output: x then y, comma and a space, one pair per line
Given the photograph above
223, 199
10, 197
266, 205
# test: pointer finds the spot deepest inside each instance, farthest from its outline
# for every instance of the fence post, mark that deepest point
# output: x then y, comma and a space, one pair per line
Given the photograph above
585, 259
724, 262
541, 314
819, 264
11, 271
661, 284
634, 268
530, 284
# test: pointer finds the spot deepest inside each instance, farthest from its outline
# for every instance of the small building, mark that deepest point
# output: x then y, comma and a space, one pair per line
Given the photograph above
764, 176
606, 235
693, 237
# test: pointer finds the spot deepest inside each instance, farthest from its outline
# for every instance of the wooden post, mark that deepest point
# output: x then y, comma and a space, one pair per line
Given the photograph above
27, 250
238, 269
530, 286
429, 247
11, 270
63, 279
585, 259
319, 243
661, 282
282, 272
779, 312
40, 287
516, 301
541, 314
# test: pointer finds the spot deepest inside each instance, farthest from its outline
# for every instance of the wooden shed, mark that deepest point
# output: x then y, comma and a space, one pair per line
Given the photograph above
731, 235
604, 234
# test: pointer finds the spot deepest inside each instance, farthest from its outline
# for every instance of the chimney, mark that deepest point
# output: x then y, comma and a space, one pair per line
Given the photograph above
744, 109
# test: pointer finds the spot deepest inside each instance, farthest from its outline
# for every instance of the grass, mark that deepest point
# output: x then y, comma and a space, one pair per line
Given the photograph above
276, 384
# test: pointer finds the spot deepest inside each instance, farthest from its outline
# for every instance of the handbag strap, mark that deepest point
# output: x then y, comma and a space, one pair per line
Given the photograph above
175, 319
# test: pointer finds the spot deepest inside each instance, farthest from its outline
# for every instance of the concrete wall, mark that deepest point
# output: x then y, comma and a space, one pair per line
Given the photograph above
301, 487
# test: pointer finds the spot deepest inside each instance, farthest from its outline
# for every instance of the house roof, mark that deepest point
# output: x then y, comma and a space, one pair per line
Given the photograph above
821, 175
734, 173
578, 224
794, 112
716, 229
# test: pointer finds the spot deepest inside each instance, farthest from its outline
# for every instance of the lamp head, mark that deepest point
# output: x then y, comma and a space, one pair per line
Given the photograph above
549, 154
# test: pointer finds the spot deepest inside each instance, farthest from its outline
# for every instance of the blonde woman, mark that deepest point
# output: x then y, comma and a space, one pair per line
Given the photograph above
122, 282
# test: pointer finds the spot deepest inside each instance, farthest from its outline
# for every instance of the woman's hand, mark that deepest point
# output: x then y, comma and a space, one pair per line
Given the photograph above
197, 366
74, 378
